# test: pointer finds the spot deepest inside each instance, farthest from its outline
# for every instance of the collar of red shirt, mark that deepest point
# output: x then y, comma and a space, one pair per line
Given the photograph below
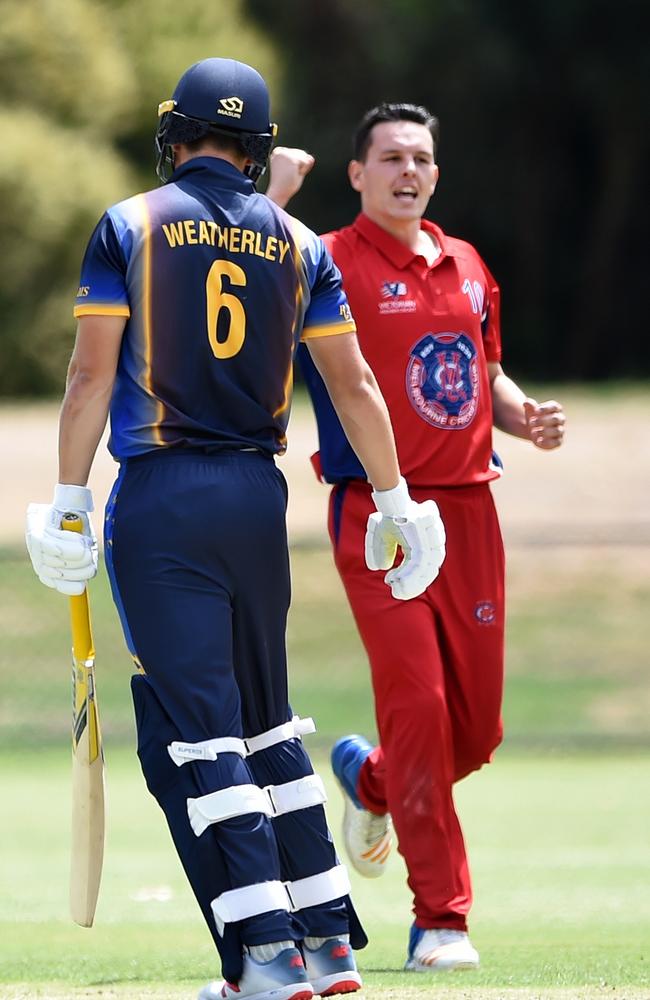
397, 253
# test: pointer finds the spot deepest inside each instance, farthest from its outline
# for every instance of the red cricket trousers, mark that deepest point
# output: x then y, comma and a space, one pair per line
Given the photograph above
437, 674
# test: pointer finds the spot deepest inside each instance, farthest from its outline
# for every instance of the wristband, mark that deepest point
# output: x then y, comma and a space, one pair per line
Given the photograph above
395, 502
73, 498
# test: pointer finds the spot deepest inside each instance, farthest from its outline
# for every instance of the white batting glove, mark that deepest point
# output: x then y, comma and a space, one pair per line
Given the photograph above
417, 529
62, 560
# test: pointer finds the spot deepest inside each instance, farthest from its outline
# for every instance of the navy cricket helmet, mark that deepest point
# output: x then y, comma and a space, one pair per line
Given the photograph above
222, 97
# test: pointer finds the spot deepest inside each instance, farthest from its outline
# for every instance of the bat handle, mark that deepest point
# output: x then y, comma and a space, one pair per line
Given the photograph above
71, 522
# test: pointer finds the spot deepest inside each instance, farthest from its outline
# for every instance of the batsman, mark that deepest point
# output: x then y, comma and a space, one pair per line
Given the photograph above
192, 301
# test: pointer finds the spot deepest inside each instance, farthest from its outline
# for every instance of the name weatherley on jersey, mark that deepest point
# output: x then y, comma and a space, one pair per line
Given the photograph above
189, 232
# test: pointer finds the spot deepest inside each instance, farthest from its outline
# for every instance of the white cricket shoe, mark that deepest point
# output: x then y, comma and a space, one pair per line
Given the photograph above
283, 978
368, 836
368, 839
440, 950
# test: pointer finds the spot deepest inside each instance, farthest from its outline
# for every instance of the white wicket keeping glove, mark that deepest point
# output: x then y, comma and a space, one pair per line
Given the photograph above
417, 529
62, 560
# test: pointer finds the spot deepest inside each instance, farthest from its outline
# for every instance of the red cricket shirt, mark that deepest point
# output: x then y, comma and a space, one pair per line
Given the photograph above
427, 332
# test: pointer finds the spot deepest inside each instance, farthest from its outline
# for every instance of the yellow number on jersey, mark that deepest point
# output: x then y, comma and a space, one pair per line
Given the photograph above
217, 300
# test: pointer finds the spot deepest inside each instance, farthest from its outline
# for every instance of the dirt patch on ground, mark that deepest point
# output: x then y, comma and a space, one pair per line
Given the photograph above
592, 491
28, 445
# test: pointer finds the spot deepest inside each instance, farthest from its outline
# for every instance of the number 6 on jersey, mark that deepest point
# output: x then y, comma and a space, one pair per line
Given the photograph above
217, 300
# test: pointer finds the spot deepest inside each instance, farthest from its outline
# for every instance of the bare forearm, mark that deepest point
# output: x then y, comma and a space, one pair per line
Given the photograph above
81, 424
365, 420
522, 416
508, 407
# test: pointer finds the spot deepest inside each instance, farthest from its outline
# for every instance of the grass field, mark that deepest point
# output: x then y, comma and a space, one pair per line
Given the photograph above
578, 640
558, 828
559, 849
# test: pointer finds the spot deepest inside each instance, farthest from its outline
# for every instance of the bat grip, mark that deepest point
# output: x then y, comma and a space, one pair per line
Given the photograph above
72, 522
82, 638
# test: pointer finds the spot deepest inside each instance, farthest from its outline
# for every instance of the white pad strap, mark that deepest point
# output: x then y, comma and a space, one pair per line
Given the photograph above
251, 900
287, 731
239, 904
181, 752
238, 800
299, 794
316, 889
226, 803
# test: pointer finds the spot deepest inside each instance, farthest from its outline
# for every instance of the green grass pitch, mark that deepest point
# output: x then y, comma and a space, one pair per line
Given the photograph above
560, 854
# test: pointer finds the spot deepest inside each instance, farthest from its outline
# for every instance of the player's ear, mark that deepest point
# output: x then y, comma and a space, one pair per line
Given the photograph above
355, 174
434, 179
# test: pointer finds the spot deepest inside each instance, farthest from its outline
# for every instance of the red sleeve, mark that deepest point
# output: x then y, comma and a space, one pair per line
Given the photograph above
337, 246
491, 319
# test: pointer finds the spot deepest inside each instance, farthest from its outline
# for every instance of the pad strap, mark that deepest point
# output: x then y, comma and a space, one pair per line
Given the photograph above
300, 794
287, 731
181, 752
251, 900
320, 888
239, 800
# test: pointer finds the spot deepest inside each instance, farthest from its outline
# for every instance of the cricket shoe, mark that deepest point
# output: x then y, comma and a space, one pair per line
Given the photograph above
283, 978
440, 950
367, 836
331, 969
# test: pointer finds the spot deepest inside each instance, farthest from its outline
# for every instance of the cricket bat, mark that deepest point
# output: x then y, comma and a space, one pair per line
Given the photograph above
87, 830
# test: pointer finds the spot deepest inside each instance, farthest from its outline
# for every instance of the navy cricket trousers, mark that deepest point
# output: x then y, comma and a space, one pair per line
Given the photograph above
196, 549
199, 551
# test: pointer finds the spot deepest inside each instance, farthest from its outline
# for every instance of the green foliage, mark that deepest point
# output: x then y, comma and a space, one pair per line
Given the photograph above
65, 83
64, 58
162, 40
81, 81
544, 151
52, 192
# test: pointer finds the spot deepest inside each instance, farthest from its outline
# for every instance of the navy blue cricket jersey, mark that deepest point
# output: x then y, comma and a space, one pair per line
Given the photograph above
218, 285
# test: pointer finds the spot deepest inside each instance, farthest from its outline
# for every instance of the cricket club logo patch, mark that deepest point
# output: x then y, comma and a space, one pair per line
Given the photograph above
442, 380
485, 613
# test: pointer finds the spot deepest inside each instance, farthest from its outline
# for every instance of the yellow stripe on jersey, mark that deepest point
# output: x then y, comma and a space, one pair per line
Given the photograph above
330, 330
288, 389
146, 317
138, 665
100, 309
299, 313
301, 280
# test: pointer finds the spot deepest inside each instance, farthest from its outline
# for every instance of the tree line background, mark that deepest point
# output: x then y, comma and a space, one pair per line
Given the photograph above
543, 156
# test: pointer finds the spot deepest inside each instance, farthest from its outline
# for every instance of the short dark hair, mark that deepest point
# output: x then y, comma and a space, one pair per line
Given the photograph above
218, 141
392, 113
